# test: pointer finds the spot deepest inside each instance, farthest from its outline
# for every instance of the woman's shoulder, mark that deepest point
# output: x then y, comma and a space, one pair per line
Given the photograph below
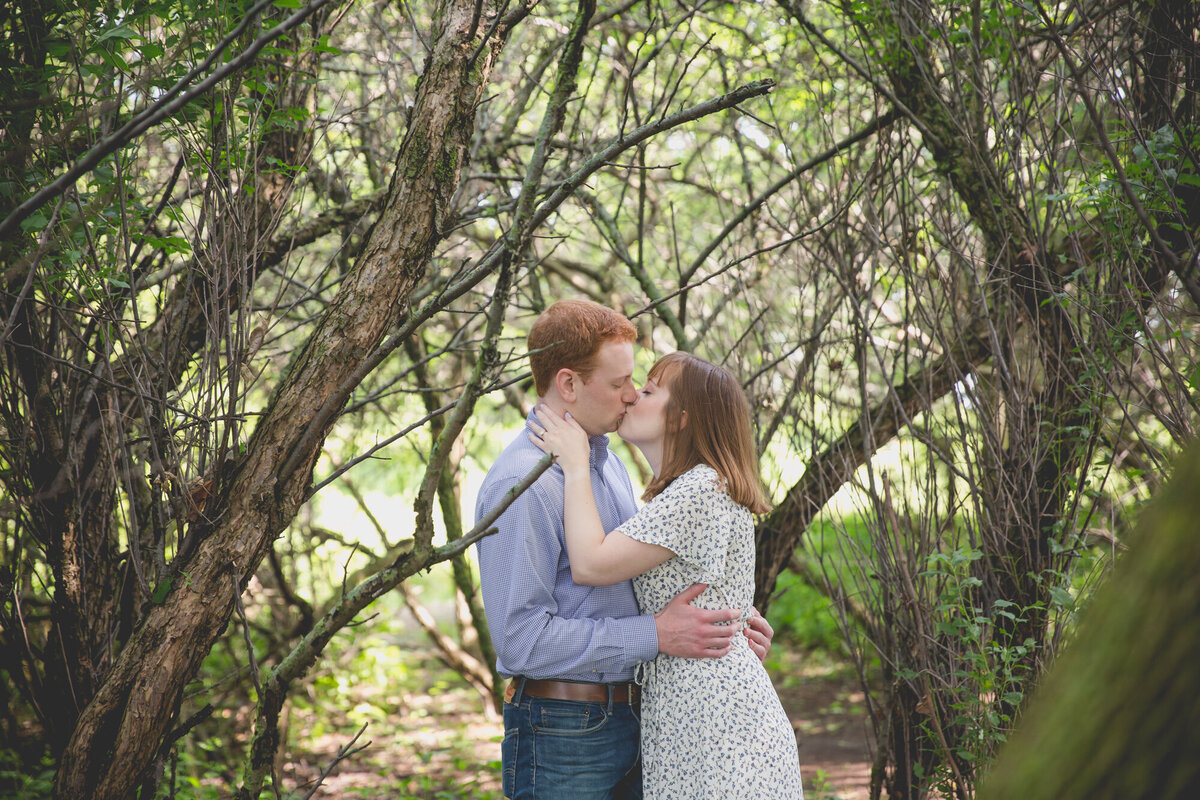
705, 480
700, 472
698, 483
701, 477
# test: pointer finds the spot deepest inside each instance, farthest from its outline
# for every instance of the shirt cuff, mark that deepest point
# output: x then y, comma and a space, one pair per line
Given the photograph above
641, 639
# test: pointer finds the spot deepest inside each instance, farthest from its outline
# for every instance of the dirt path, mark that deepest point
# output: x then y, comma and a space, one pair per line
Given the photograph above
438, 743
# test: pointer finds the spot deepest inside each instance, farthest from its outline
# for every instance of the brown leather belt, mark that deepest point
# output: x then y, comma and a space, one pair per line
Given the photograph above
572, 690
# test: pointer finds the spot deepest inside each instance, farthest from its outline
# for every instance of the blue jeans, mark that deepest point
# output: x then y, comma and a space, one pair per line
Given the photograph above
569, 750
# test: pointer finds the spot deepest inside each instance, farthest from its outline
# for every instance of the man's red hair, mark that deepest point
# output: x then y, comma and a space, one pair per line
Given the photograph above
568, 335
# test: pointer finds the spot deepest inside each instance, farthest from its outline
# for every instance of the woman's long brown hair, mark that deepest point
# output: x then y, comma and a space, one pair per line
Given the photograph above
716, 430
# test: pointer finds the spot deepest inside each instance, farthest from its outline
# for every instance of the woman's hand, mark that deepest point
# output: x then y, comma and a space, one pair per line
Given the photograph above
759, 634
563, 438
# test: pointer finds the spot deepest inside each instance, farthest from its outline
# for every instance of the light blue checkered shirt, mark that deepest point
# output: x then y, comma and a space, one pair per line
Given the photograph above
543, 624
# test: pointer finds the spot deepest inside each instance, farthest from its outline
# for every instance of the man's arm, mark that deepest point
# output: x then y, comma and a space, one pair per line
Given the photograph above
518, 569
690, 632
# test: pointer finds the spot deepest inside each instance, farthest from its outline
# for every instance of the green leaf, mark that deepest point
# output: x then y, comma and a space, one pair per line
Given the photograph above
150, 51
119, 32
1060, 597
323, 46
1194, 379
34, 222
170, 244
161, 591
113, 59
59, 48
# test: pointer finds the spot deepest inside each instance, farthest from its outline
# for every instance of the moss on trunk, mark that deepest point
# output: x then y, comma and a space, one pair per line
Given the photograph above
1118, 715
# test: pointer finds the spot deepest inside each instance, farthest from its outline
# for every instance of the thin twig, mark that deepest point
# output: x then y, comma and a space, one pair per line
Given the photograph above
43, 244
344, 752
241, 612
171, 101
874, 126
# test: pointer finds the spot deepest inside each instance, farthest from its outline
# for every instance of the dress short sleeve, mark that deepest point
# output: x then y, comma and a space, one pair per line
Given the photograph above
691, 518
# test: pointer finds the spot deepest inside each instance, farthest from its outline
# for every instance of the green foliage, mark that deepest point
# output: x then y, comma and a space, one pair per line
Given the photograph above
989, 676
198, 770
803, 616
1159, 164
20, 783
821, 788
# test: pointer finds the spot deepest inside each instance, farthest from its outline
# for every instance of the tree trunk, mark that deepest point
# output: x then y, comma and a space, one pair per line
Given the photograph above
119, 733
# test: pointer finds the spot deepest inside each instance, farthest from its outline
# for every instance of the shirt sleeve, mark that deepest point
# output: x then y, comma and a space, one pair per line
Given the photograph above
519, 567
688, 519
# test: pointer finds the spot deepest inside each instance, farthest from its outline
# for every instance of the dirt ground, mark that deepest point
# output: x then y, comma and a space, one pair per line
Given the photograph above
833, 733
441, 745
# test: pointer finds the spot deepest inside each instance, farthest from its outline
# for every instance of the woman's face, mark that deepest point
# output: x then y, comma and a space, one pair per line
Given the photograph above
645, 422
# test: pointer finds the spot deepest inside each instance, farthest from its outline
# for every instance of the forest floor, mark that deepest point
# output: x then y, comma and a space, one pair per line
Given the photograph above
441, 745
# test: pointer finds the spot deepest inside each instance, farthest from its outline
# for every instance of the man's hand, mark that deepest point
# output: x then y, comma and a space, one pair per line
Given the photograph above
759, 633
690, 632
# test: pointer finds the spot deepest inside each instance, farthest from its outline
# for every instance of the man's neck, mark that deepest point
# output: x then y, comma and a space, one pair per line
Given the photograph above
556, 404
561, 407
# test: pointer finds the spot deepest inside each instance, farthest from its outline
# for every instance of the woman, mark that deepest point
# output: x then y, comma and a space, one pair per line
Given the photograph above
710, 727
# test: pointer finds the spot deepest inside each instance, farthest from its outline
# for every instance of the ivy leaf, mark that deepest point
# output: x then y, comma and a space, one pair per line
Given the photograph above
34, 222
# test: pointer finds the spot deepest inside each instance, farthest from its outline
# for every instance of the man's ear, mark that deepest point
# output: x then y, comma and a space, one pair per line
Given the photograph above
566, 381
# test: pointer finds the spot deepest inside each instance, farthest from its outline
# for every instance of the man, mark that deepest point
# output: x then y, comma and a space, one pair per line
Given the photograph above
570, 712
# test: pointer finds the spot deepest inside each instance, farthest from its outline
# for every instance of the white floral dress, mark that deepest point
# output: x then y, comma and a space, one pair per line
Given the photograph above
711, 728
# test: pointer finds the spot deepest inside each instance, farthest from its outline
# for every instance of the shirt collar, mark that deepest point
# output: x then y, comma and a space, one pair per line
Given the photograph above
599, 452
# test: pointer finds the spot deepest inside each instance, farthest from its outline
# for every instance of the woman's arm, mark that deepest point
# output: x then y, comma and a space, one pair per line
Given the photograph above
595, 559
